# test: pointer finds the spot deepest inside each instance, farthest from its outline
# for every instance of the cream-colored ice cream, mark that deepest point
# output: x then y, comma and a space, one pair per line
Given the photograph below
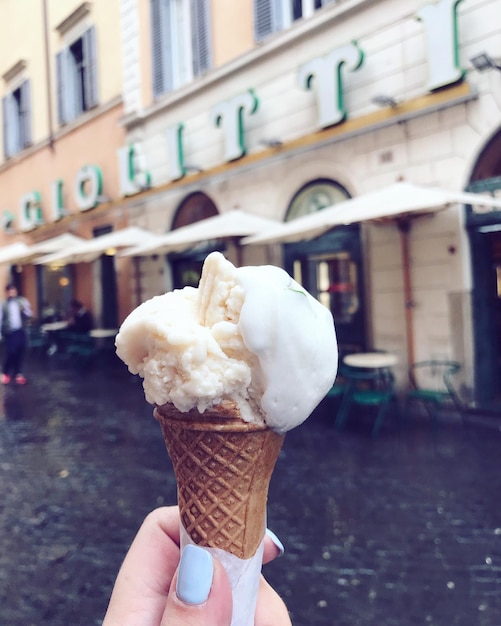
251, 335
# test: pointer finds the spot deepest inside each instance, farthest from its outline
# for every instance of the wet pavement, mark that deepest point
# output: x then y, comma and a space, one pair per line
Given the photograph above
403, 530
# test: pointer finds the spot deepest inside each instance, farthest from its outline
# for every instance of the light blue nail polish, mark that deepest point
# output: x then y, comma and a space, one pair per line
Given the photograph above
196, 571
276, 541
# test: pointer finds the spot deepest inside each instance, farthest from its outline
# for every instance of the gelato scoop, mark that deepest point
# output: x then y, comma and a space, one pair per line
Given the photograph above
250, 335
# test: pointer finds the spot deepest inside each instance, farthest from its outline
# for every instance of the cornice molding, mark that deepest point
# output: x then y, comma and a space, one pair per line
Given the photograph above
16, 69
74, 18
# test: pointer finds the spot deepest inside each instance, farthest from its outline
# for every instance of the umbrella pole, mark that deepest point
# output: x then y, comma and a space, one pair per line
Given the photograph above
404, 227
137, 279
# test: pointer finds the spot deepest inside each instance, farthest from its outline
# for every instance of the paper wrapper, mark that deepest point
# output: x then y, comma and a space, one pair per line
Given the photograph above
223, 467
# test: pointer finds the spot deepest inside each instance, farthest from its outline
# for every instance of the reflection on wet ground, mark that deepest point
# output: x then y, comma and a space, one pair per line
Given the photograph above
404, 530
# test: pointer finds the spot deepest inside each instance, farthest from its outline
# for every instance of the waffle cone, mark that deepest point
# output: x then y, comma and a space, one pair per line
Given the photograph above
223, 467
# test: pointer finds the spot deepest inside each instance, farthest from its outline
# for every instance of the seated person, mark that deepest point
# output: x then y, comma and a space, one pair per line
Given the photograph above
80, 319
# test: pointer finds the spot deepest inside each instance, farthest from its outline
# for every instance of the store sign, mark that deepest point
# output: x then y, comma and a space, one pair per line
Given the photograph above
132, 170
323, 75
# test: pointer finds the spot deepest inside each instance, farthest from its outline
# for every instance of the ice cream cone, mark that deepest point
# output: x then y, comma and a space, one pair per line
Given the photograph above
223, 467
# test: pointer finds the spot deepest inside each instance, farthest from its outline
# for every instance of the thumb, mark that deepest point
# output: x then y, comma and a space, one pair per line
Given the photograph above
200, 593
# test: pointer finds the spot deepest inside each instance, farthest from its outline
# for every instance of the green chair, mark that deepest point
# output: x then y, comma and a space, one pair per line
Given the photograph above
37, 341
431, 385
80, 348
367, 388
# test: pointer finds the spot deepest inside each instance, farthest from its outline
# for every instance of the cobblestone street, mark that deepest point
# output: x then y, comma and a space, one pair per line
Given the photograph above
404, 530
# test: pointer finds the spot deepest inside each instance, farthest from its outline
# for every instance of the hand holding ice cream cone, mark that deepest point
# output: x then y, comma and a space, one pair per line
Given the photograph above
155, 585
231, 366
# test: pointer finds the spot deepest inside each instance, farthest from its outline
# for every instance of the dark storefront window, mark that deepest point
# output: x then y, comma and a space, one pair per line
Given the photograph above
108, 285
485, 241
187, 266
330, 266
54, 292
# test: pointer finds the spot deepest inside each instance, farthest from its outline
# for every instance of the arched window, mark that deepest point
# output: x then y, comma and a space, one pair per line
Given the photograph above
330, 266
187, 266
315, 196
194, 208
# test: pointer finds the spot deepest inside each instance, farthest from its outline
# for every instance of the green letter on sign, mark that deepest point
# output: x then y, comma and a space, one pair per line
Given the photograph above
88, 187
31, 211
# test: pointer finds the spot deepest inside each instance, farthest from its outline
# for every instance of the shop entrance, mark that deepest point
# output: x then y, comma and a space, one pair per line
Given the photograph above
484, 228
54, 292
485, 241
186, 266
106, 298
330, 268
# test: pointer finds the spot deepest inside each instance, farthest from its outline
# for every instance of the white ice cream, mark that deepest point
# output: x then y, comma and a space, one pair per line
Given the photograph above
251, 334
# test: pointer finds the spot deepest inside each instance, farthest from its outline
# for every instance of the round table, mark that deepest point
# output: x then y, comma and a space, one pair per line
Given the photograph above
371, 360
53, 326
103, 333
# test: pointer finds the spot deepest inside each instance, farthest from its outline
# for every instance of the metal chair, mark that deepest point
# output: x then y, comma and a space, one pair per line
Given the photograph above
80, 348
369, 388
432, 386
37, 341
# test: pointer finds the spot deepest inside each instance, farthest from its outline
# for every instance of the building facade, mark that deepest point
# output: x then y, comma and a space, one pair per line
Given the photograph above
61, 94
305, 105
282, 108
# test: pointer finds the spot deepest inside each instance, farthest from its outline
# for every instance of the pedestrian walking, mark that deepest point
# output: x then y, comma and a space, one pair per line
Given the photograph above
14, 313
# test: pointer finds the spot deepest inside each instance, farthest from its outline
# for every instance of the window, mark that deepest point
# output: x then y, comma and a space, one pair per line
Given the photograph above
181, 46
315, 196
271, 16
16, 107
77, 77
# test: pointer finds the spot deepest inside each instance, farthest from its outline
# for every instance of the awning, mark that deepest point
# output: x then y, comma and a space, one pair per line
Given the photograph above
92, 249
10, 254
398, 201
229, 225
20, 253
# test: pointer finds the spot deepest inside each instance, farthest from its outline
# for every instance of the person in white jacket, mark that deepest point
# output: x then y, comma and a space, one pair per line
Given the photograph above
14, 312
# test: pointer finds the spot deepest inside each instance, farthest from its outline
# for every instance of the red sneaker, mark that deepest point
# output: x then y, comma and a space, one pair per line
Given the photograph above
4, 379
20, 380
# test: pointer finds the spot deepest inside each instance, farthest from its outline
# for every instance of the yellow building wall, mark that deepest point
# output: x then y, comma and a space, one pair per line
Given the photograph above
92, 144
105, 15
22, 38
232, 34
232, 29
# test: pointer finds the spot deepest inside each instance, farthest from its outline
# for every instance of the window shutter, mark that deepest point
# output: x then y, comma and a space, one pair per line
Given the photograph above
156, 43
200, 24
90, 63
167, 43
11, 116
264, 22
5, 115
25, 121
61, 87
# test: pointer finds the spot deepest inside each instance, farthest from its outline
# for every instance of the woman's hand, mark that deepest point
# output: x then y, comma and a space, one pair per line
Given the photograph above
154, 588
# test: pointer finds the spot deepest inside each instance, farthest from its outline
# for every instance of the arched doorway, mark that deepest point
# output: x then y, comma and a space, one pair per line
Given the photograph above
330, 267
187, 266
485, 241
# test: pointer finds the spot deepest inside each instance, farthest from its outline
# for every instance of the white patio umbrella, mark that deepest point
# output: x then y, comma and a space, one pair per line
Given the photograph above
399, 203
28, 254
396, 201
9, 254
229, 225
91, 249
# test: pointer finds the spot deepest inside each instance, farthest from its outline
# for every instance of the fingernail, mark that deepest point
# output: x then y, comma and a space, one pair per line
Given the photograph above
194, 579
276, 541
